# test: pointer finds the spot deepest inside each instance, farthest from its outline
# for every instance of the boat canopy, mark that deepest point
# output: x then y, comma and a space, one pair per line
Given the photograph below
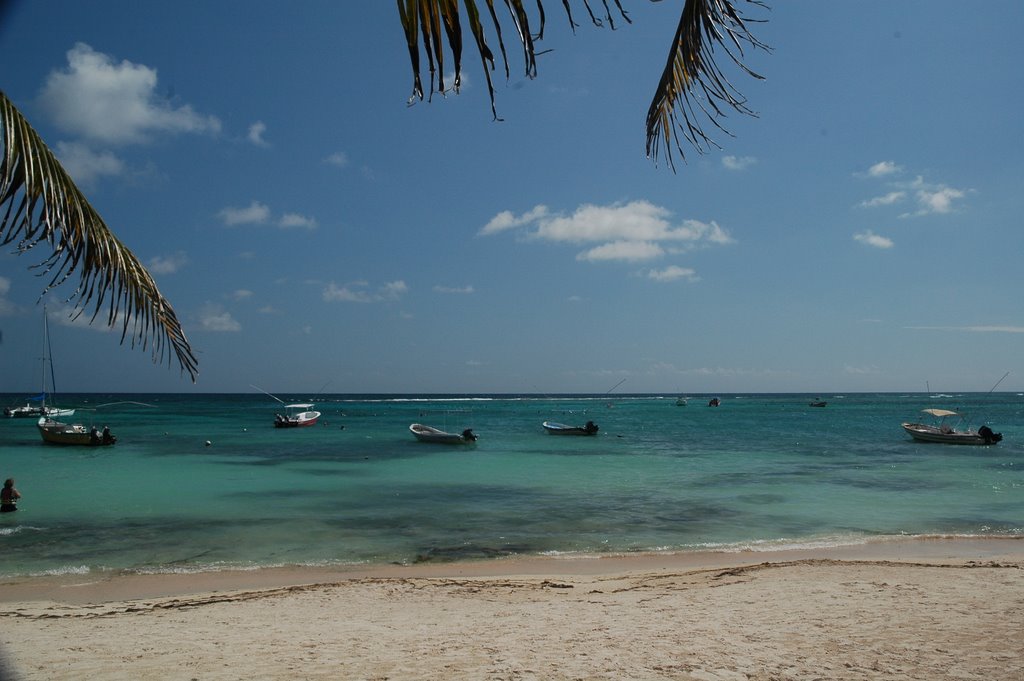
940, 412
298, 406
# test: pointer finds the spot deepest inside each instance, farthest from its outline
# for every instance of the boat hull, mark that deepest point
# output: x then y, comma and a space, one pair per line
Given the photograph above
29, 411
928, 433
306, 418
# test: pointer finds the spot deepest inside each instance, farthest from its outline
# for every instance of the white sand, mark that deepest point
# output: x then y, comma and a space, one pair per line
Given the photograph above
940, 609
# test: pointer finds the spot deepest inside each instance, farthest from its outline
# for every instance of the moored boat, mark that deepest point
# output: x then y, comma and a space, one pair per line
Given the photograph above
555, 428
57, 433
296, 415
943, 432
436, 435
33, 411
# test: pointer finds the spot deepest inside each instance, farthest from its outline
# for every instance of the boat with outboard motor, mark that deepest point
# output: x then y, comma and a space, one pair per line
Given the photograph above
436, 435
296, 415
944, 432
555, 428
57, 433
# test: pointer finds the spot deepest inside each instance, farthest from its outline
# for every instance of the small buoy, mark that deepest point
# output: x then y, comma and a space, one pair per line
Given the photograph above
208, 443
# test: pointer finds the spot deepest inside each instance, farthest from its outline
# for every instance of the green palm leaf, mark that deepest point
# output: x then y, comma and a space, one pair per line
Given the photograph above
691, 80
40, 204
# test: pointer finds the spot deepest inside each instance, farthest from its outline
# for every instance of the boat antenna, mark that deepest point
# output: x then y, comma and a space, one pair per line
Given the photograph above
266, 393
991, 390
997, 383
615, 386
321, 391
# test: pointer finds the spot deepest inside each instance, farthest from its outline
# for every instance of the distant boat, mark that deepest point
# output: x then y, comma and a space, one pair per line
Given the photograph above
818, 402
714, 402
680, 401
554, 428
941, 431
430, 434
296, 416
37, 410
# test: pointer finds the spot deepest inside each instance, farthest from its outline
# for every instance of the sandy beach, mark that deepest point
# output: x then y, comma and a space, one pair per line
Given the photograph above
913, 609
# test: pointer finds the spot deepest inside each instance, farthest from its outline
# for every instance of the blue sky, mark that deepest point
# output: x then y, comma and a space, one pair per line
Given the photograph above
862, 233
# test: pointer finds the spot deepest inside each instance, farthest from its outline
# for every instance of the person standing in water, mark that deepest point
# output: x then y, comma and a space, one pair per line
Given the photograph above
9, 497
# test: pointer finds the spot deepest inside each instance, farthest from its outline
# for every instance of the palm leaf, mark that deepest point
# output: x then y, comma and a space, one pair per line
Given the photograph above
692, 80
40, 204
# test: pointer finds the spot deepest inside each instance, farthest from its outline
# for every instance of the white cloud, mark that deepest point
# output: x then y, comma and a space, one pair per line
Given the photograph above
638, 230
883, 169
338, 158
294, 220
971, 329
257, 213
738, 162
861, 371
256, 131
241, 294
214, 318
167, 264
86, 165
359, 292
938, 199
507, 220
673, 272
869, 238
254, 213
453, 289
114, 103
632, 251
887, 200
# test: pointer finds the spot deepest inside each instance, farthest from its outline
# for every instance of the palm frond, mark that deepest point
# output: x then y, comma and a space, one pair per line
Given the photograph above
434, 23
40, 204
692, 79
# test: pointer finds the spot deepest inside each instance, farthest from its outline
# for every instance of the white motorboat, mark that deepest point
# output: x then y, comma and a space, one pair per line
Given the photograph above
430, 434
943, 431
555, 428
296, 415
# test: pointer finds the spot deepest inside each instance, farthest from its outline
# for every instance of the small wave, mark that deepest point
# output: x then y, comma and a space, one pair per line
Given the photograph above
62, 571
8, 531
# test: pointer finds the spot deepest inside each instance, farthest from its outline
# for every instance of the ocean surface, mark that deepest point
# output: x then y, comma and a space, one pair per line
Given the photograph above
205, 482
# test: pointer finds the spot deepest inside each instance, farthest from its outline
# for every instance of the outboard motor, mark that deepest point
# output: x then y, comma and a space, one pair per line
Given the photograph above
988, 436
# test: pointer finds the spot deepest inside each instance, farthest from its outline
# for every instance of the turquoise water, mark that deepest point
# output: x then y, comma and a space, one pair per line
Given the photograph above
760, 471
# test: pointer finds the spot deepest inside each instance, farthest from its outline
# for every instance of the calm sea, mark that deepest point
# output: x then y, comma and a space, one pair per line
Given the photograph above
204, 482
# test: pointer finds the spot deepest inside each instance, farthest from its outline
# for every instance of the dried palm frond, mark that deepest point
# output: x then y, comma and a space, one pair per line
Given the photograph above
40, 203
690, 79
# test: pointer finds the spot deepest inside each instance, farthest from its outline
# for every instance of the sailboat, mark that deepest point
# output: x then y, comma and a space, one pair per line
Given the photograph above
34, 410
55, 432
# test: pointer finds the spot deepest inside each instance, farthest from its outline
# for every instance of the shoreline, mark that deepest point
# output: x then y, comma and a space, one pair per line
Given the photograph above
80, 589
936, 609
